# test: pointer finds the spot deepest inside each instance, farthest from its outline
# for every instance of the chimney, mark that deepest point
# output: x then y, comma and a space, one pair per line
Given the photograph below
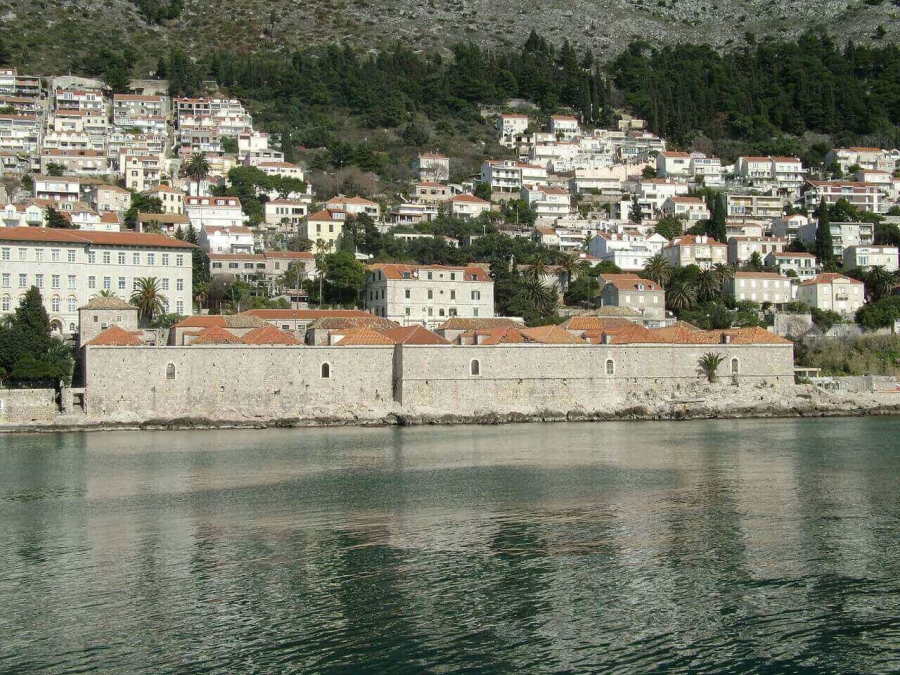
606, 339
726, 339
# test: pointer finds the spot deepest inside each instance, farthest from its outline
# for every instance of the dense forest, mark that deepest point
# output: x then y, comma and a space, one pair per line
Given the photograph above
759, 95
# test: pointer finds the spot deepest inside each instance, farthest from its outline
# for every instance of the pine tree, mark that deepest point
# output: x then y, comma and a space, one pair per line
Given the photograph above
824, 244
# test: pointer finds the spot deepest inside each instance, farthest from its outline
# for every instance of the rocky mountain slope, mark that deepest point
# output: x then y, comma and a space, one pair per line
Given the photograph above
46, 35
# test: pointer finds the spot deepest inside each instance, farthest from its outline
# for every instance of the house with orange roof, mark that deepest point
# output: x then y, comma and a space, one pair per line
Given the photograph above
101, 313
833, 292
354, 206
114, 336
871, 197
695, 249
172, 199
269, 335
414, 335
467, 207
628, 290
689, 209
325, 227
212, 211
548, 202
188, 329
564, 127
672, 164
356, 337
297, 321
428, 294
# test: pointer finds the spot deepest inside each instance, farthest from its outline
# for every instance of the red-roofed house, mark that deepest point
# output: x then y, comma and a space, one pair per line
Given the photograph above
564, 127
760, 287
833, 292
700, 250
690, 209
467, 207
326, 226
630, 290
430, 166
672, 164
428, 294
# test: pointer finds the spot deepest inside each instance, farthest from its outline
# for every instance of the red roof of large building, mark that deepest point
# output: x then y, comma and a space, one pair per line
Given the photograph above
98, 238
114, 336
216, 335
304, 314
414, 335
269, 335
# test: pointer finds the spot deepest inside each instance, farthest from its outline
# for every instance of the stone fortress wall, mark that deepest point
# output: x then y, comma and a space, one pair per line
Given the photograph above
242, 383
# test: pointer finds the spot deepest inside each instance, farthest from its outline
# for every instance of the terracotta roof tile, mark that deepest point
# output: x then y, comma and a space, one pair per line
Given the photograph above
364, 336
43, 234
269, 335
114, 336
216, 335
463, 323
551, 335
303, 314
414, 335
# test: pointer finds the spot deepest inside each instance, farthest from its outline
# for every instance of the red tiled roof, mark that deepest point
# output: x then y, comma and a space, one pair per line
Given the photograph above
82, 237
414, 335
596, 323
304, 314
269, 335
364, 336
828, 278
114, 336
396, 271
216, 335
551, 335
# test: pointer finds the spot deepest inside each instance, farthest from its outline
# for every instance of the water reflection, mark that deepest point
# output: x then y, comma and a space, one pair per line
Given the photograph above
703, 547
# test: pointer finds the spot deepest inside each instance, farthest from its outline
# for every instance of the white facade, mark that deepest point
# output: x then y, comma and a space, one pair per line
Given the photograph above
671, 164
871, 256
690, 209
833, 292
214, 211
217, 239
69, 267
629, 250
803, 265
843, 235
760, 287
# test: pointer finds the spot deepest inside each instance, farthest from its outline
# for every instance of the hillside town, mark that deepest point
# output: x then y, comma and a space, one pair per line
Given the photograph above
182, 210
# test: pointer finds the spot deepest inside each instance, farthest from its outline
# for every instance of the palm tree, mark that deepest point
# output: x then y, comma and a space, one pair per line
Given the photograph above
586, 243
201, 294
543, 299
709, 364
197, 168
681, 295
537, 268
570, 267
723, 272
709, 287
658, 269
148, 300
105, 293
879, 283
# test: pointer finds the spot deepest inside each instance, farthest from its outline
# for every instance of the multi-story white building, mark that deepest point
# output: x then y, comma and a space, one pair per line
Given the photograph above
653, 192
633, 292
786, 173
69, 267
507, 176
354, 206
707, 169
217, 239
75, 162
843, 235
564, 127
214, 211
510, 127
864, 196
741, 249
172, 200
80, 99
690, 209
428, 294
23, 215
754, 205
604, 181
865, 158
673, 164
281, 169
57, 188
13, 84
430, 166
547, 202
20, 133
629, 250
760, 287
467, 207
787, 227
700, 250
871, 256
267, 267
803, 265
833, 292
285, 214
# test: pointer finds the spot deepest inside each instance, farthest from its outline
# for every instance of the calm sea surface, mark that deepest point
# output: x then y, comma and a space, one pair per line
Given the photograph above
694, 547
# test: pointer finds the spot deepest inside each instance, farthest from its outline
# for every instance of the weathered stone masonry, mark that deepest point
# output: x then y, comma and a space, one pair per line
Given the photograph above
242, 383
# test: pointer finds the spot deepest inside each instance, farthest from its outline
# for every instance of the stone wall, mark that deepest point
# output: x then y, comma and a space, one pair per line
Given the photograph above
238, 382
21, 406
527, 378
245, 383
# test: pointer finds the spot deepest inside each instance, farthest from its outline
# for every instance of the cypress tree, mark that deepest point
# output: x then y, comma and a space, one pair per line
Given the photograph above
287, 145
824, 244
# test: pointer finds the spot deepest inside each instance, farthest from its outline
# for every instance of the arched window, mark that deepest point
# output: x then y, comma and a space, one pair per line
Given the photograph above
73, 305
5, 303
326, 371
441, 312
71, 327
170, 371
610, 367
54, 304
735, 366
475, 367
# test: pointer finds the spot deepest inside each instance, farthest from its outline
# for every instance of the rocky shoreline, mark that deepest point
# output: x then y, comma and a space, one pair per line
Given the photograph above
704, 404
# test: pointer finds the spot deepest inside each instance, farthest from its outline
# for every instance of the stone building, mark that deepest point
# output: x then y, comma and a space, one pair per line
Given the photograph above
833, 292
630, 290
760, 287
102, 313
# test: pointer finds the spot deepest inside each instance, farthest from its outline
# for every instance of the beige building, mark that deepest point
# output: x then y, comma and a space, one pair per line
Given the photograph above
741, 249
69, 267
870, 256
429, 192
833, 292
754, 205
760, 287
690, 209
428, 294
467, 207
109, 198
267, 267
700, 250
285, 214
633, 292
101, 313
172, 200
76, 162
802, 264
326, 227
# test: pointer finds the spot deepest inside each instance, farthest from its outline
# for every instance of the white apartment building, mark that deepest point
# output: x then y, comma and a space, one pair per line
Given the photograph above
604, 181
431, 166
467, 207
507, 176
547, 202
700, 250
409, 213
707, 169
285, 214
673, 164
252, 141
689, 209
510, 126
741, 249
875, 159
787, 173
281, 169
743, 228
787, 227
760, 287
428, 295
629, 250
652, 194
802, 264
864, 196
20, 133
217, 239
267, 267
13, 84
214, 211
69, 267
564, 127
23, 215
754, 205
57, 188
871, 256
843, 235
354, 206
75, 162
833, 292
80, 99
